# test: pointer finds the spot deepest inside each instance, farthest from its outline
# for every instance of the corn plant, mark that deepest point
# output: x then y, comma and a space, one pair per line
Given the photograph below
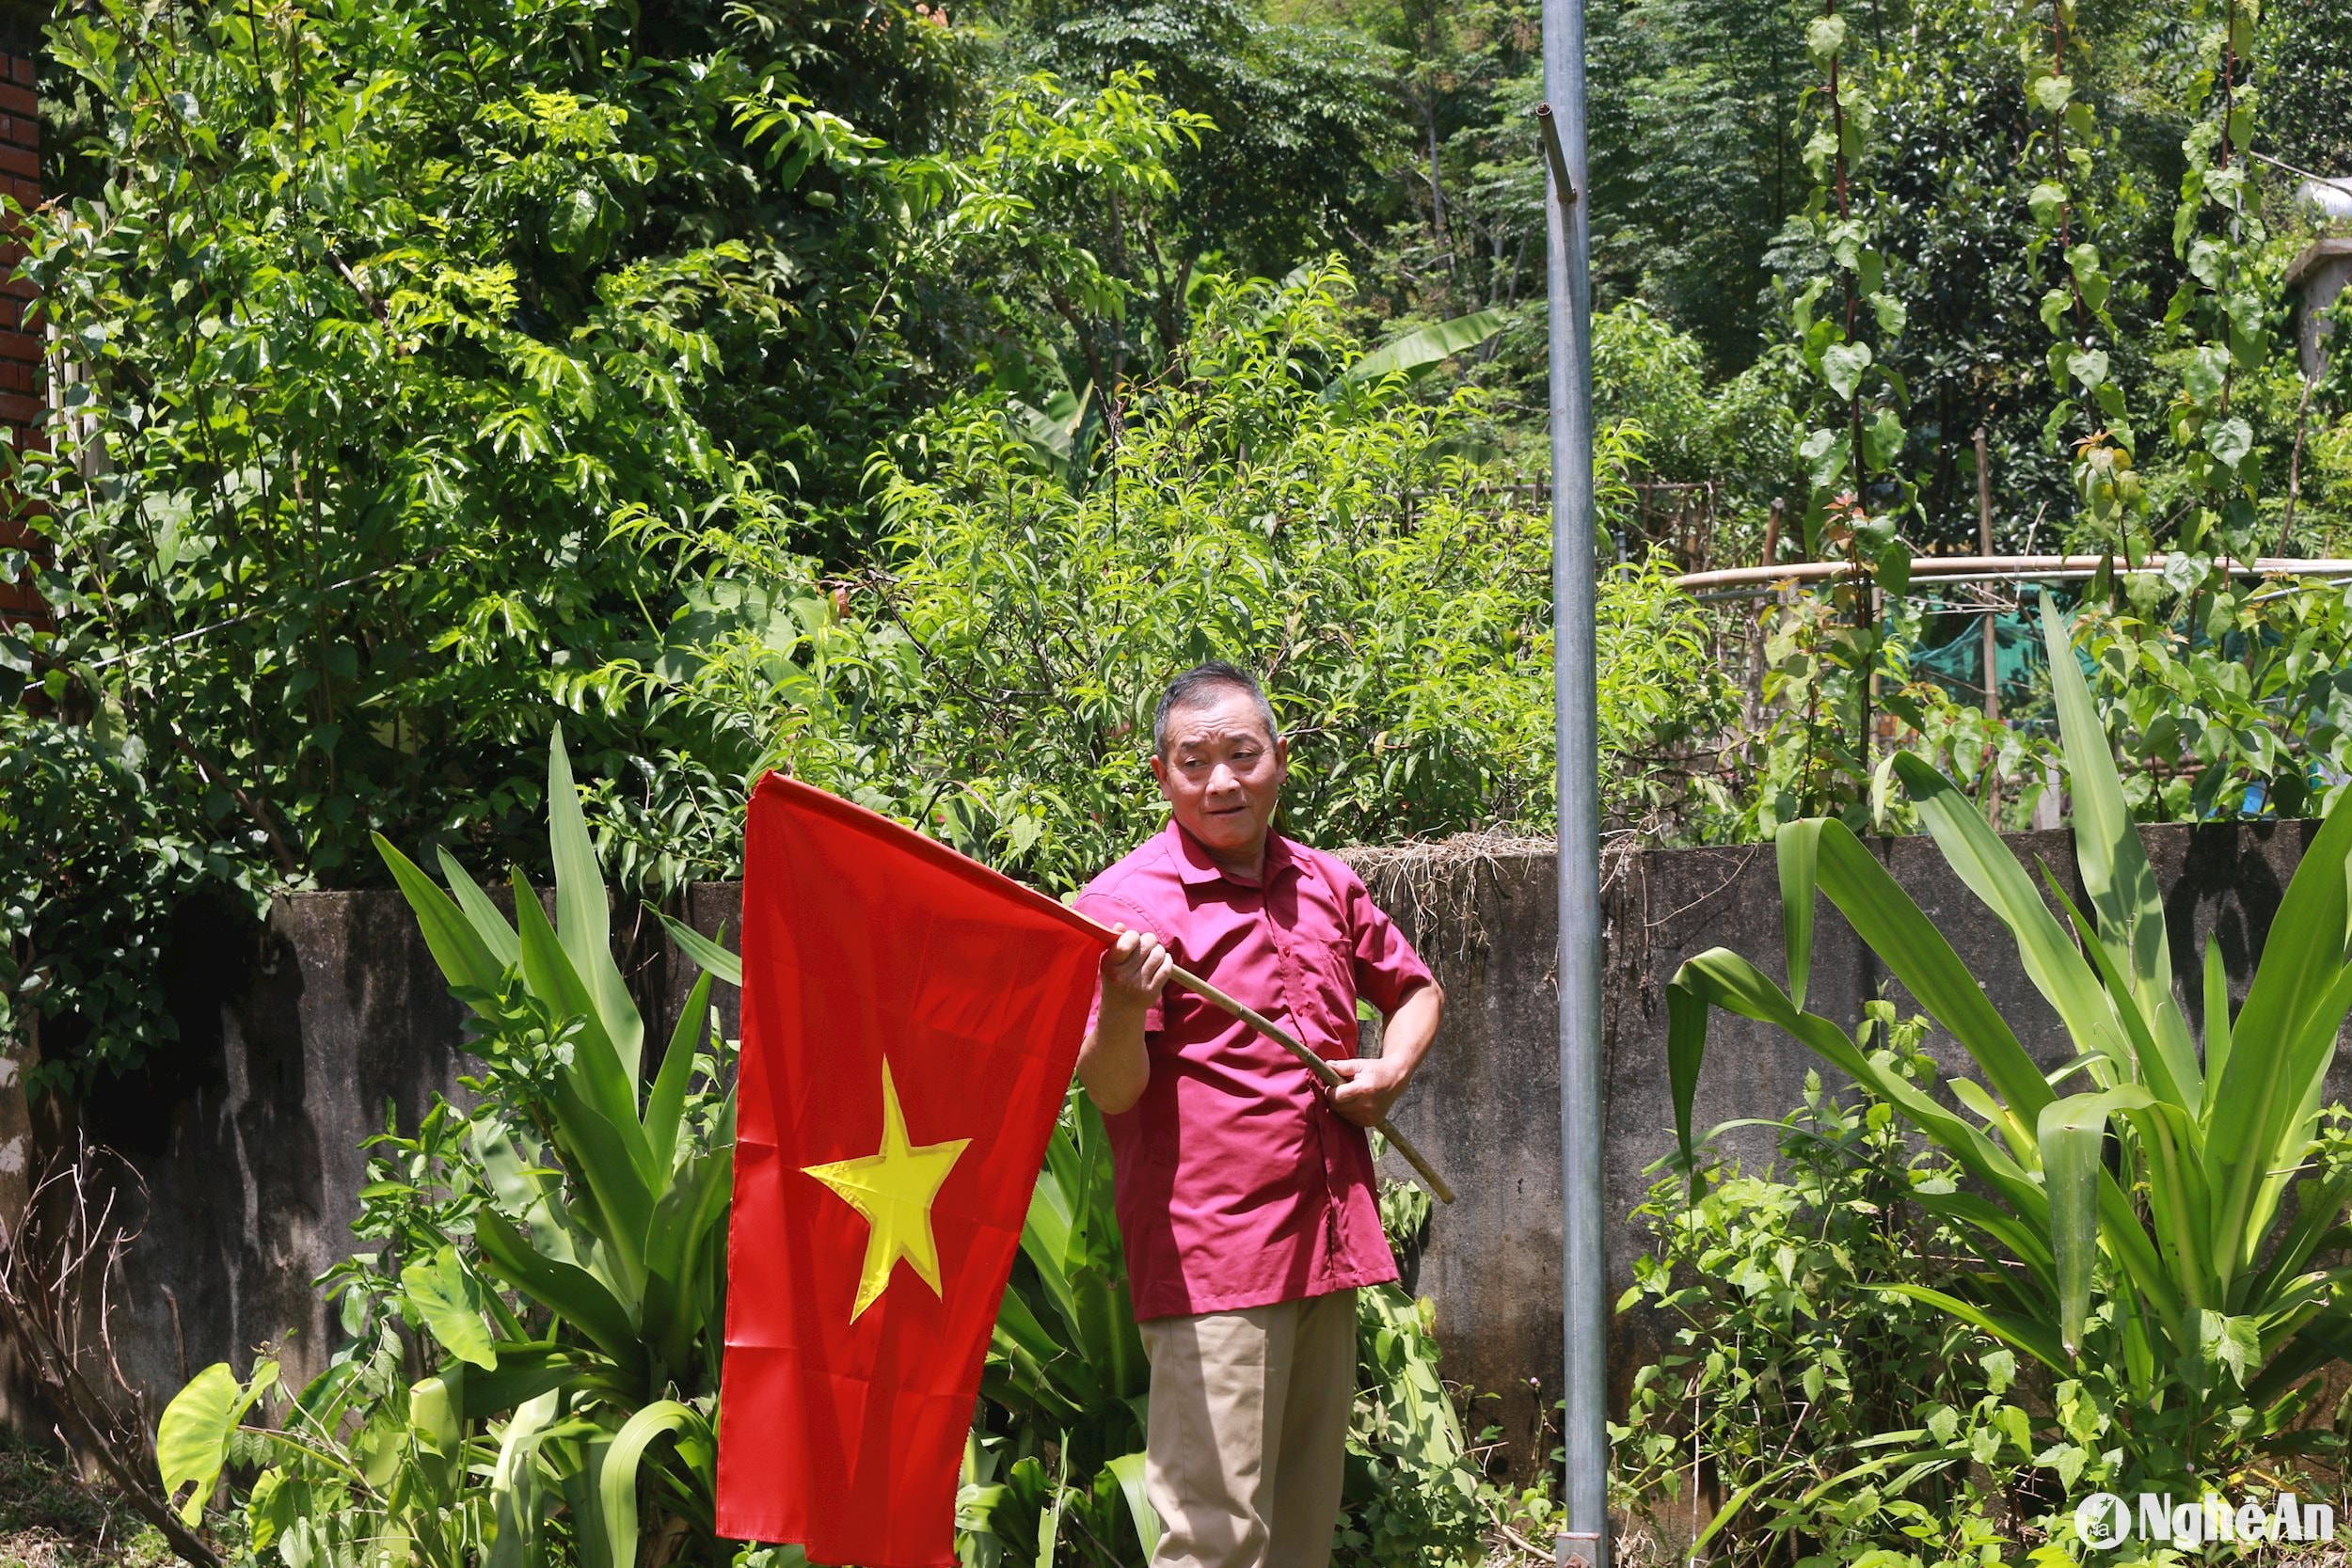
554, 1266
2129, 1209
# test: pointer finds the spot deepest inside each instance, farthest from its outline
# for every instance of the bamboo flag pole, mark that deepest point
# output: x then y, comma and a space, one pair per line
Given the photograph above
1316, 1065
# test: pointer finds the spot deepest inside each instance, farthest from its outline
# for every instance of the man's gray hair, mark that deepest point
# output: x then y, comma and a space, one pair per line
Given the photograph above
1204, 682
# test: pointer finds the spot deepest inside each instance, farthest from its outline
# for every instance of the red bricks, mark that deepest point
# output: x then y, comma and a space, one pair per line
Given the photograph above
21, 400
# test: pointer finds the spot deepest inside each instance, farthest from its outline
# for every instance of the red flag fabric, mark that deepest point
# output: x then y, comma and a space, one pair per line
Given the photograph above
910, 1020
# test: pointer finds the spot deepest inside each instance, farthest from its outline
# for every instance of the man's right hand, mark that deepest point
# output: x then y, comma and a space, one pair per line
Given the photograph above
1135, 969
1113, 1061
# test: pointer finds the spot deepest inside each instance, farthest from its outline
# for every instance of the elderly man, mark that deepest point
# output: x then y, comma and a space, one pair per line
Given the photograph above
1244, 1191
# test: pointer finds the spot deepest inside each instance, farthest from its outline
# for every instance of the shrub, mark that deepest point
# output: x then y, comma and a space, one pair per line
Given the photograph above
1822, 1417
2133, 1232
364, 320
992, 678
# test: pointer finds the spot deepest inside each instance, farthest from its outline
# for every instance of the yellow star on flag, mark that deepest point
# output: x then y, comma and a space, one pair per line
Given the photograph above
894, 1188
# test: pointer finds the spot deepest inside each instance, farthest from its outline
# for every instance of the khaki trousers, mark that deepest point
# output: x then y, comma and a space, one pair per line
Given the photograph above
1248, 1438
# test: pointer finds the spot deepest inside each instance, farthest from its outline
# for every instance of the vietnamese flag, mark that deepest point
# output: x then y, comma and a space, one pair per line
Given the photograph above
911, 1021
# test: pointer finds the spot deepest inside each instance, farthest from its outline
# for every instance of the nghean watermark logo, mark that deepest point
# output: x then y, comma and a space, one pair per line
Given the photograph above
2106, 1520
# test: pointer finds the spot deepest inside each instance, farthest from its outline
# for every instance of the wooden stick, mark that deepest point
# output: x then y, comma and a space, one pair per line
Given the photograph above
1316, 1065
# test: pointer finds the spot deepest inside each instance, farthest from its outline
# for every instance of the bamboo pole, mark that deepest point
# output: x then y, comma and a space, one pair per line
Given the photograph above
1756, 581
1316, 1065
1324, 1072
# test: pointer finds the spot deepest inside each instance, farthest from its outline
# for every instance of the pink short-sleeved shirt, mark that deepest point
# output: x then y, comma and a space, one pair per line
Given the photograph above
1236, 1183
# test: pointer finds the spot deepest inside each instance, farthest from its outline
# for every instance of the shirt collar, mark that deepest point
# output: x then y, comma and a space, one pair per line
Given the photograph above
1194, 867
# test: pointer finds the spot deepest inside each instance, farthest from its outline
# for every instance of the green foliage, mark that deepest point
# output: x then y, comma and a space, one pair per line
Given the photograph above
365, 320
2222, 690
2015, 208
1828, 1417
2306, 82
1695, 159
2084, 375
94, 869
1071, 202
2224, 305
2191, 1328
993, 678
377, 317
1797, 758
2226, 698
1456, 225
1417, 351
1734, 434
1304, 122
1663, 699
1845, 322
1991, 200
553, 1258
1413, 1493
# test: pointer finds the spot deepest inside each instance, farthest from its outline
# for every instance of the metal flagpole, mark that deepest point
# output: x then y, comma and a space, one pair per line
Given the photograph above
1583, 1541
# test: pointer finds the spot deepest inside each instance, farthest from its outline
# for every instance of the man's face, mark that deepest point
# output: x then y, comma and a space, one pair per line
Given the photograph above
1222, 772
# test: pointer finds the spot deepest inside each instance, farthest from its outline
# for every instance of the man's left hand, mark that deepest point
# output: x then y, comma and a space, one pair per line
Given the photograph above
1371, 1084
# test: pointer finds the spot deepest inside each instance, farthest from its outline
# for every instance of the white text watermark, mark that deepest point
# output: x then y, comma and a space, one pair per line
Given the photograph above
2106, 1520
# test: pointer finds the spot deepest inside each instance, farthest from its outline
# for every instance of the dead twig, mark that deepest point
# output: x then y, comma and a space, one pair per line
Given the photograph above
59, 1260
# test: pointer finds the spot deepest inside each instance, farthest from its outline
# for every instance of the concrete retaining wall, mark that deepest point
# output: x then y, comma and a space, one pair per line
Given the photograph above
1486, 1109
303, 1038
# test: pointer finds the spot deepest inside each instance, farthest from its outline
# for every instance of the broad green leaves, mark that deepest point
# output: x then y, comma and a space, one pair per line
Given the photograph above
1842, 365
2075, 303
2047, 202
562, 1265
1824, 37
2224, 301
192, 1438
1420, 349
2073, 1135
616, 1487
2174, 1297
448, 1301
1858, 496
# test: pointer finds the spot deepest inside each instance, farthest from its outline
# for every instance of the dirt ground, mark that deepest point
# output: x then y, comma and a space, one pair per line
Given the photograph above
50, 1519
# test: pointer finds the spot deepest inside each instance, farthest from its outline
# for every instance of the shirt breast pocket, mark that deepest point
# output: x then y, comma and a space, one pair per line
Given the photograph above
1332, 976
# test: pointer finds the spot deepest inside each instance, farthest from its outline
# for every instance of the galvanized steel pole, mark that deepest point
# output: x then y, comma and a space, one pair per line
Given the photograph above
1584, 1539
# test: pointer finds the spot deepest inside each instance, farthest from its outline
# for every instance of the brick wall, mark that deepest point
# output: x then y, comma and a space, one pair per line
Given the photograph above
20, 342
